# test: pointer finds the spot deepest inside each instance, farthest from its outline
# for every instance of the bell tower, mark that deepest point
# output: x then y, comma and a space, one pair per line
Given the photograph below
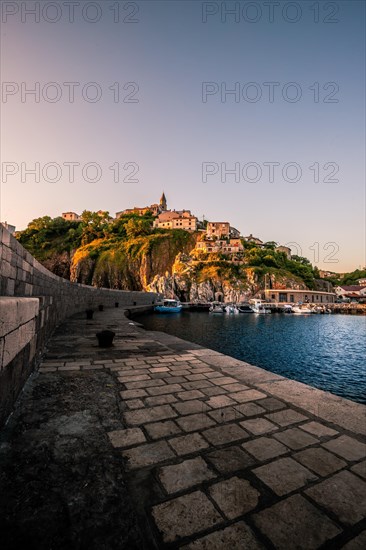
163, 204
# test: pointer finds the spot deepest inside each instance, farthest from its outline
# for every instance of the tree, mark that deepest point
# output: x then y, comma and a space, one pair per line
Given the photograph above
137, 227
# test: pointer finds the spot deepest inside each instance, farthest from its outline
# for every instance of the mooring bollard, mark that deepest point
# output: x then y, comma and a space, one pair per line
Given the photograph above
116, 304
89, 313
100, 307
105, 338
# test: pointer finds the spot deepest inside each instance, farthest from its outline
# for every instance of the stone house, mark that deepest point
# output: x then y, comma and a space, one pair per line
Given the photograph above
176, 219
71, 216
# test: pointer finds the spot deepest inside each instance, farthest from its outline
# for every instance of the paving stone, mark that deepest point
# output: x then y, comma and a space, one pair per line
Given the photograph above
346, 447
286, 417
123, 379
197, 385
295, 438
69, 368
185, 516
295, 523
47, 369
160, 430
258, 426
178, 477
134, 404
175, 380
215, 390
213, 374
358, 543
147, 455
247, 395
220, 401
320, 461
160, 400
152, 414
193, 394
223, 381
225, 434
181, 372
196, 376
168, 388
231, 459
159, 369
126, 438
187, 444
195, 422
318, 429
131, 394
199, 369
92, 367
265, 448
191, 407
250, 409
236, 387
234, 496
360, 469
225, 415
344, 494
272, 404
144, 384
284, 475
238, 536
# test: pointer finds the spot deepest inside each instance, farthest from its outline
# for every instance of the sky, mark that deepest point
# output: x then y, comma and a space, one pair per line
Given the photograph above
247, 112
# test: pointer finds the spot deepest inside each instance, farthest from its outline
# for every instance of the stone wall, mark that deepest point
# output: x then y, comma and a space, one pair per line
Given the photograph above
33, 301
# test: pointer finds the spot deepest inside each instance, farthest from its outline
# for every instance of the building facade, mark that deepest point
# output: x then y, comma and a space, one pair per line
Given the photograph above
291, 296
155, 209
71, 216
176, 219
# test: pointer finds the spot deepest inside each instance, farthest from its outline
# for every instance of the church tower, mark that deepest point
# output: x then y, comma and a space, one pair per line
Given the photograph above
163, 204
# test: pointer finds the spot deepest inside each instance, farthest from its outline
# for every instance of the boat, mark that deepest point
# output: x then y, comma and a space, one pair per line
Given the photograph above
168, 306
217, 307
287, 308
231, 308
258, 307
302, 310
244, 308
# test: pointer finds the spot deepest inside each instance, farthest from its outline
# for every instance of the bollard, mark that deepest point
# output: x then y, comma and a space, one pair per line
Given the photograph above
89, 313
105, 338
100, 307
116, 304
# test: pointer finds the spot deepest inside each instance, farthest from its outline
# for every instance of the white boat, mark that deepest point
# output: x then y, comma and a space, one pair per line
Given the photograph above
302, 310
169, 306
231, 308
287, 308
258, 307
217, 307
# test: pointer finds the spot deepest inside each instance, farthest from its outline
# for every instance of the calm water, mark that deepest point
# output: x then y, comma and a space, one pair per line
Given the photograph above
324, 351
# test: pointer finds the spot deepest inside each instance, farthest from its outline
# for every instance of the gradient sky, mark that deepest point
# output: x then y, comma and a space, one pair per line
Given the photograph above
170, 132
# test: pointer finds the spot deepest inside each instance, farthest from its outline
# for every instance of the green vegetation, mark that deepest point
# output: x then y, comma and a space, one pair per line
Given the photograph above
112, 252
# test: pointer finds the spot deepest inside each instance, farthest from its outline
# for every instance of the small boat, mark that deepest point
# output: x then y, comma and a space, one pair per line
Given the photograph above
299, 310
258, 307
287, 308
245, 308
217, 307
168, 306
231, 308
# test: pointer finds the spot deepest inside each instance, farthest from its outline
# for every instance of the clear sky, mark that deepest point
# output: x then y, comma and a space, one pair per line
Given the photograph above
173, 64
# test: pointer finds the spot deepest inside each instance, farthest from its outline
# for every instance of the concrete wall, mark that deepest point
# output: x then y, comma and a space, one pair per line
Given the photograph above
33, 301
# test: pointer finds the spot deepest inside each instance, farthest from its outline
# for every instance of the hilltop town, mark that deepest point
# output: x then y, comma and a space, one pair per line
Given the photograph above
216, 237
172, 252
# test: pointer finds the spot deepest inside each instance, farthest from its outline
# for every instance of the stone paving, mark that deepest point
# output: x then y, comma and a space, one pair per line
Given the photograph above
219, 454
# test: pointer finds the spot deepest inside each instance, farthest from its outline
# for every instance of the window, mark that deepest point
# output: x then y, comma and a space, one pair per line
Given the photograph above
283, 296
292, 298
273, 296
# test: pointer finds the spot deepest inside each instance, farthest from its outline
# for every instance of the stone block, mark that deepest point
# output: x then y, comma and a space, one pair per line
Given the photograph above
152, 414
258, 426
188, 473
126, 438
148, 455
185, 516
195, 422
265, 448
225, 434
295, 523
295, 438
284, 475
238, 536
234, 497
187, 444
320, 461
346, 447
159, 430
286, 417
231, 459
343, 494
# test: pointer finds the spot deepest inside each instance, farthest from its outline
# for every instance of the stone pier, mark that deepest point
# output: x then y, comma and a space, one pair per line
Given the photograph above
159, 443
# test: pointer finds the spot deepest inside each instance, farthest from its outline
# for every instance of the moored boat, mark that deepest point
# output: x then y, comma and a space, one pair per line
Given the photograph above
217, 307
168, 306
245, 308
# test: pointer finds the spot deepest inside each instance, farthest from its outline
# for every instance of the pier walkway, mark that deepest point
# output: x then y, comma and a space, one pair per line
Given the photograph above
159, 443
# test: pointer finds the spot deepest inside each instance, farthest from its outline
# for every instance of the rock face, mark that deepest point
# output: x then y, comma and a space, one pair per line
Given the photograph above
164, 265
